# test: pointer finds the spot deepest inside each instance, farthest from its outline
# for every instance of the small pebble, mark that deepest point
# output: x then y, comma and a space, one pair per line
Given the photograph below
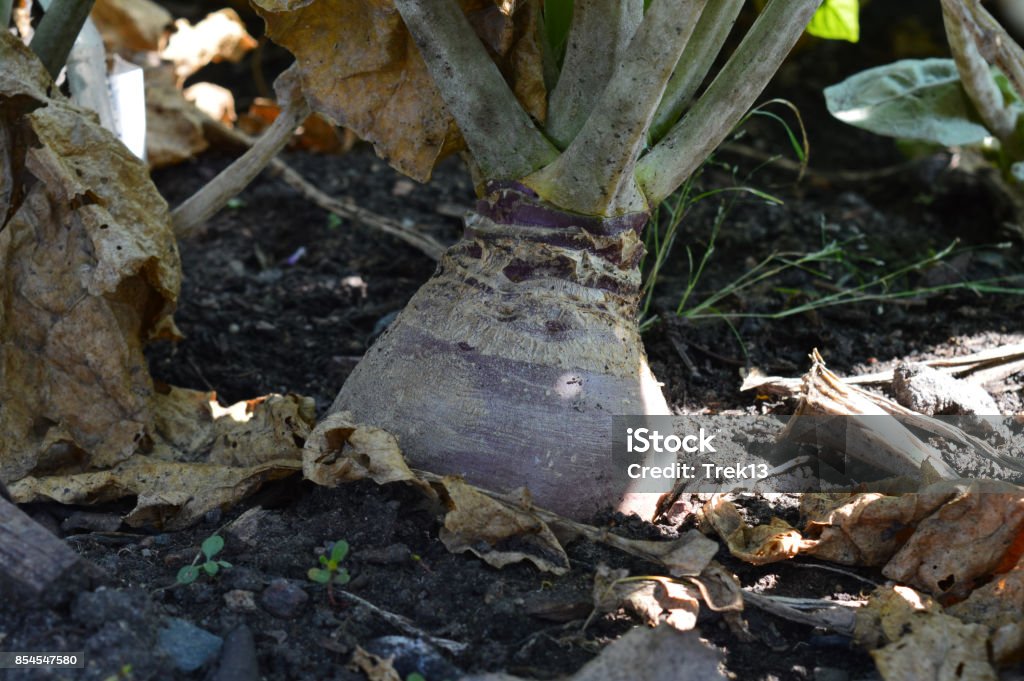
240, 600
283, 599
187, 646
413, 655
238, 662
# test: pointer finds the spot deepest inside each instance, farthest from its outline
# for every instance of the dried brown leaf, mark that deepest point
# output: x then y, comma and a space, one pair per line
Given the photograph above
889, 613
137, 25
963, 541
652, 599
497, 532
203, 457
89, 271
213, 100
174, 126
316, 134
998, 605
777, 540
339, 450
937, 648
376, 668
220, 36
361, 68
866, 529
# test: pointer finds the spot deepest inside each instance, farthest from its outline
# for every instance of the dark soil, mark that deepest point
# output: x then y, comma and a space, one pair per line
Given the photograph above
278, 298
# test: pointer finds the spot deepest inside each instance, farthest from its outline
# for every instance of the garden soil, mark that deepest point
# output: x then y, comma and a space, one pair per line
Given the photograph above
280, 297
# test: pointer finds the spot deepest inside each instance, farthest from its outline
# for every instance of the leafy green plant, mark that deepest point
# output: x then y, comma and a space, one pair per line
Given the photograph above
330, 571
975, 98
567, 176
209, 549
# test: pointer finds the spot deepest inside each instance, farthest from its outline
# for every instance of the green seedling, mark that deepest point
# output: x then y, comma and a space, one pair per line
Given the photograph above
211, 546
331, 572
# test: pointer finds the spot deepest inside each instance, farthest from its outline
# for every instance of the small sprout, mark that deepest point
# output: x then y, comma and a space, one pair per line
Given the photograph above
330, 573
415, 676
211, 546
236, 203
333, 221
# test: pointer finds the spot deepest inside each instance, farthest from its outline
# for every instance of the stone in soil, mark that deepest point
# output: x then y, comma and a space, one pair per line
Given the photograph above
187, 646
283, 599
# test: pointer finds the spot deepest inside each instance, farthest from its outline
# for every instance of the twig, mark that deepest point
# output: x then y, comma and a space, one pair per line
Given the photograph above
198, 208
404, 625
347, 208
837, 570
836, 616
342, 207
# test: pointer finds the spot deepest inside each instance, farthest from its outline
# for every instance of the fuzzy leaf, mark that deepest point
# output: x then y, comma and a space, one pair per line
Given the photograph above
89, 272
187, 574
837, 20
319, 576
360, 67
212, 545
339, 551
342, 578
914, 98
211, 568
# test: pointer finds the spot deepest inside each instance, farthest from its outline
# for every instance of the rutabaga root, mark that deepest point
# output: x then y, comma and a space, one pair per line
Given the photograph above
508, 365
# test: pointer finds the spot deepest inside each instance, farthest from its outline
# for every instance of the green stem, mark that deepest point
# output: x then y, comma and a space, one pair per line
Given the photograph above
501, 136
594, 175
996, 45
57, 32
700, 53
726, 100
598, 37
975, 74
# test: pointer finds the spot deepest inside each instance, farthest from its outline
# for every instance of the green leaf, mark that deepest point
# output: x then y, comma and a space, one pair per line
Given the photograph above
324, 561
836, 20
342, 578
211, 567
187, 574
918, 99
415, 676
319, 576
212, 545
333, 221
224, 564
339, 551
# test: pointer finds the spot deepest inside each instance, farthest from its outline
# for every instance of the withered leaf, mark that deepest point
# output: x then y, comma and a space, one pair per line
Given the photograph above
937, 648
220, 36
339, 450
866, 529
497, 532
361, 68
89, 271
202, 458
174, 126
963, 541
760, 544
131, 24
652, 599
